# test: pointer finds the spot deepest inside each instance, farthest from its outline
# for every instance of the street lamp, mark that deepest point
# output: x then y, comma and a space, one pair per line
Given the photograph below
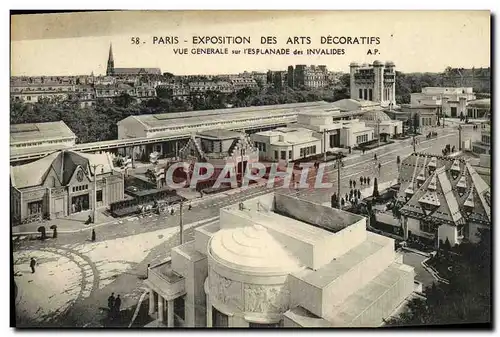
94, 213
378, 130
181, 224
339, 163
459, 137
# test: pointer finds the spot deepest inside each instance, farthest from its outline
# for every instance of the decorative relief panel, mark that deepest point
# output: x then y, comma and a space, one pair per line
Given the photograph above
266, 299
225, 290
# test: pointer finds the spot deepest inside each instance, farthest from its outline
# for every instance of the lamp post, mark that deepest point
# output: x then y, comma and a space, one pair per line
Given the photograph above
94, 212
459, 137
339, 163
181, 224
324, 145
378, 130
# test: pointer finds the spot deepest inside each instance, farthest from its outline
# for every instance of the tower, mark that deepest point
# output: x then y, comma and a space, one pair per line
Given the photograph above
110, 70
353, 88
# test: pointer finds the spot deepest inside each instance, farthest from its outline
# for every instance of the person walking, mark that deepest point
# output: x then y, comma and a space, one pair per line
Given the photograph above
361, 181
354, 183
117, 305
375, 156
32, 265
368, 179
364, 180
359, 194
111, 304
350, 183
93, 235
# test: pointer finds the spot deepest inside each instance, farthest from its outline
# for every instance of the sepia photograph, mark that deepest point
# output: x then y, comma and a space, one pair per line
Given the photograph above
251, 169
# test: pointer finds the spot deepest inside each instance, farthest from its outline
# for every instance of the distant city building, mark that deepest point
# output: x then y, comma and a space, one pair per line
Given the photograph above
278, 261
308, 77
111, 70
34, 92
278, 79
62, 183
477, 78
444, 199
40, 137
374, 82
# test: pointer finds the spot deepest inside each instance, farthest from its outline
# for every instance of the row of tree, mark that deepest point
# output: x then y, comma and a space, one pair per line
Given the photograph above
98, 122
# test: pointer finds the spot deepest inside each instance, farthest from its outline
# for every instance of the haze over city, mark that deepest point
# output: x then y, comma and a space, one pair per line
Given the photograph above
77, 44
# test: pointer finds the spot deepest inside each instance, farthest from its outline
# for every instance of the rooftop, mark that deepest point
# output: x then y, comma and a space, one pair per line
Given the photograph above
195, 117
219, 134
32, 132
62, 163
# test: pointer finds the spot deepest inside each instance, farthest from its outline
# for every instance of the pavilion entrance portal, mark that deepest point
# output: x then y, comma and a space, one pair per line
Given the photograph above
80, 203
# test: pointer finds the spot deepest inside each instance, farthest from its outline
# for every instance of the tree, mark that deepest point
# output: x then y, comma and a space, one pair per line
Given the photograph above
375, 193
467, 297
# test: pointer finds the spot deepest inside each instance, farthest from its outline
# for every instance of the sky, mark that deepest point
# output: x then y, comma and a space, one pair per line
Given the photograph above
78, 43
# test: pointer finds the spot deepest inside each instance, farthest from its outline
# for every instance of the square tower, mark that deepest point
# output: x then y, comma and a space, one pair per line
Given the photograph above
373, 82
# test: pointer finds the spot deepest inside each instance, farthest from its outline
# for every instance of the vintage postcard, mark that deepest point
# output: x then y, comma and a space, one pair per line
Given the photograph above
250, 169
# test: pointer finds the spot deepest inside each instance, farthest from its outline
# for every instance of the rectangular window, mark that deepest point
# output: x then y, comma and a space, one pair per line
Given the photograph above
360, 93
98, 196
276, 155
370, 94
283, 155
290, 154
366, 94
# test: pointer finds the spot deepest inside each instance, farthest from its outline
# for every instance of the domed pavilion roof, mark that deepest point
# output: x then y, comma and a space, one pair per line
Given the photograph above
375, 115
252, 248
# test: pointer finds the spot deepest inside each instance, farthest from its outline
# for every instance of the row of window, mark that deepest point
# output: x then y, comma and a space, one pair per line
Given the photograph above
261, 146
283, 155
426, 121
216, 123
307, 151
80, 188
366, 94
362, 139
40, 143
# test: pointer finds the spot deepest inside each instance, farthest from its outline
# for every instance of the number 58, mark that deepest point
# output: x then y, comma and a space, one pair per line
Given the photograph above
135, 40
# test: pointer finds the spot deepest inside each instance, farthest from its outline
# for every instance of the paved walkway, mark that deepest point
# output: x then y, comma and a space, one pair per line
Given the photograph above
72, 223
72, 281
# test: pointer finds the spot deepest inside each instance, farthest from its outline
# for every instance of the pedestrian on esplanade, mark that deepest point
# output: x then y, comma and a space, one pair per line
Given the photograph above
111, 303
374, 156
346, 197
32, 265
368, 180
361, 180
93, 235
359, 194
350, 183
118, 303
354, 183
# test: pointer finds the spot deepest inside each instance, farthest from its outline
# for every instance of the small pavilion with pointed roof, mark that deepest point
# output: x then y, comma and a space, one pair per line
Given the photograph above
442, 199
62, 183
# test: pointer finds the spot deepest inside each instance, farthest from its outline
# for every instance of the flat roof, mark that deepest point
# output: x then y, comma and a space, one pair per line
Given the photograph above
220, 134
153, 121
32, 132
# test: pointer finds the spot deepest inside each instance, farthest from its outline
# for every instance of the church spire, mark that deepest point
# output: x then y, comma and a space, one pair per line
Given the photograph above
111, 63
